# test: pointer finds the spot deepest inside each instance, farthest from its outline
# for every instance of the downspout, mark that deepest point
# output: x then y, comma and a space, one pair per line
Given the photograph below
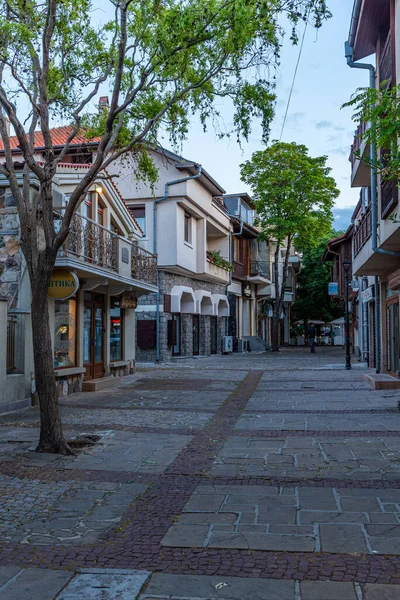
374, 208
231, 235
156, 202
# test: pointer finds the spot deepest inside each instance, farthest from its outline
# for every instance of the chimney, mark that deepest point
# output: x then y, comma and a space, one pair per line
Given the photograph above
104, 104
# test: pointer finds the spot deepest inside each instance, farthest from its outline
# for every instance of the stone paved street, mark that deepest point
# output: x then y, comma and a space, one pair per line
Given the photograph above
246, 477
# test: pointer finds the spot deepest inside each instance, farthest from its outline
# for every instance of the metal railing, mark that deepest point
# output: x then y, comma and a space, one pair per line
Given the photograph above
362, 233
11, 330
260, 268
96, 245
90, 242
144, 265
386, 62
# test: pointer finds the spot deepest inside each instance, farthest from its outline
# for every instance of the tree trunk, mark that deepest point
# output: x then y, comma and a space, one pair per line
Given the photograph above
275, 334
51, 433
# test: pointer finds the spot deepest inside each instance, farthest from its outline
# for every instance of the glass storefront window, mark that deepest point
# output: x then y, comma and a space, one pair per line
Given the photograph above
65, 333
115, 329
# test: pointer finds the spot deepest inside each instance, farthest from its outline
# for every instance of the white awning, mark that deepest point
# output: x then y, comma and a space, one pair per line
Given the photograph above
221, 305
183, 300
204, 302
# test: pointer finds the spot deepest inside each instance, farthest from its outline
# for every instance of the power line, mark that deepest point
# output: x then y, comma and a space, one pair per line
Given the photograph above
294, 77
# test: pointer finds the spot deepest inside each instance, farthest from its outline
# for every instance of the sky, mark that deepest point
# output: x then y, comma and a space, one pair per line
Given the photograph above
323, 83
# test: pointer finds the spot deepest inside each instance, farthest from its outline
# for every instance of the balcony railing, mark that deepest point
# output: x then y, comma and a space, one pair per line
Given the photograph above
386, 62
260, 268
11, 328
362, 233
95, 245
92, 243
389, 197
144, 265
357, 141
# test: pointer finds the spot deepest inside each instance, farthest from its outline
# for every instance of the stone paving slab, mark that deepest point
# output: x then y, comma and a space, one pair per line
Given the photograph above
33, 584
101, 585
209, 588
318, 422
307, 457
295, 519
67, 514
116, 451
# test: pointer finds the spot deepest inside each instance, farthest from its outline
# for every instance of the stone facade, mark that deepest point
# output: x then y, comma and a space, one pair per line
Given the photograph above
10, 255
166, 283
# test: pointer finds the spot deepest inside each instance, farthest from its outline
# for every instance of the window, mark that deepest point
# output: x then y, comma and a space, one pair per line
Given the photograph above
237, 250
139, 213
188, 228
115, 329
65, 333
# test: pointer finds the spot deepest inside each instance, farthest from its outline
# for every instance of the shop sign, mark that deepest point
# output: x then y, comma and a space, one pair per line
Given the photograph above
333, 288
368, 294
246, 290
128, 301
63, 284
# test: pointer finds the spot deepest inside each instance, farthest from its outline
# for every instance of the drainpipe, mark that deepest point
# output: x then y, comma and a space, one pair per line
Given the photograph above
231, 235
156, 202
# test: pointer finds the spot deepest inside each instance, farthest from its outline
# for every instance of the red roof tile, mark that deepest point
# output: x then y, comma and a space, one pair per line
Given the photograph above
59, 136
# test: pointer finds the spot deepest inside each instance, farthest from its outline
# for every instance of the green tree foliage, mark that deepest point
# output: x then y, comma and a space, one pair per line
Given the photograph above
313, 300
380, 108
294, 195
161, 61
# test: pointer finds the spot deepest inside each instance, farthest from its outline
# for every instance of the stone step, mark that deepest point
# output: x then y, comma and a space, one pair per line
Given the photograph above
93, 385
382, 381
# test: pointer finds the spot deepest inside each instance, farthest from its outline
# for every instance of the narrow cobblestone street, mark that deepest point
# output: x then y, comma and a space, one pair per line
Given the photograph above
246, 477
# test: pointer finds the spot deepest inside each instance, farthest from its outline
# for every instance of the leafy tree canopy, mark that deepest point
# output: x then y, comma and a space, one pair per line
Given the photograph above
293, 193
313, 301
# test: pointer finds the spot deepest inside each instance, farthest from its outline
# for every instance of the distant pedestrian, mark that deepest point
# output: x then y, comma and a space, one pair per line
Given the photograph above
312, 332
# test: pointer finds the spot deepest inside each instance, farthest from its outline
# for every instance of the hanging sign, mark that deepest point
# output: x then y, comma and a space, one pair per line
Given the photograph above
63, 284
246, 290
368, 294
128, 301
333, 288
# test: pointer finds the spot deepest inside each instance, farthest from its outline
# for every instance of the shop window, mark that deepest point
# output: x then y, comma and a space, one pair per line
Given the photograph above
115, 329
188, 228
65, 333
139, 214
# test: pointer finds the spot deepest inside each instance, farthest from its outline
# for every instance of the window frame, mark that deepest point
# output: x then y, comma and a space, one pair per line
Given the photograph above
188, 229
76, 332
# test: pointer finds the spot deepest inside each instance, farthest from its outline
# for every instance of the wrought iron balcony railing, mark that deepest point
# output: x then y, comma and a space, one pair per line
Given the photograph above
93, 244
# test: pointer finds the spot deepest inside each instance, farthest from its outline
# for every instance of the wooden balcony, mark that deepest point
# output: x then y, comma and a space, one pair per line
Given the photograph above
386, 63
389, 197
362, 233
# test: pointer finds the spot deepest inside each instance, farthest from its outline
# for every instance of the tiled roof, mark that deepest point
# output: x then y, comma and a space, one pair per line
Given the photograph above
59, 137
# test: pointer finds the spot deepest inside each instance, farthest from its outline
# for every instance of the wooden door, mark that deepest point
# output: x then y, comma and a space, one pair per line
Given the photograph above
93, 335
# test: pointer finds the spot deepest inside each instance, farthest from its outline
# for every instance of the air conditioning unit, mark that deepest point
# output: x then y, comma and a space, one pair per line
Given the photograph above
241, 345
227, 344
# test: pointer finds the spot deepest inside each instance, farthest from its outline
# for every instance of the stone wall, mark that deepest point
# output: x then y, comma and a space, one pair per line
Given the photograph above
10, 255
166, 283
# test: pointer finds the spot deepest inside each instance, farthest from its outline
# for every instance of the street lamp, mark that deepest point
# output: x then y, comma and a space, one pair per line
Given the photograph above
346, 268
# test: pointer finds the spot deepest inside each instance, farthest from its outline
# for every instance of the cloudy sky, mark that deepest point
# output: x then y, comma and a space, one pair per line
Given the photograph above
324, 82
